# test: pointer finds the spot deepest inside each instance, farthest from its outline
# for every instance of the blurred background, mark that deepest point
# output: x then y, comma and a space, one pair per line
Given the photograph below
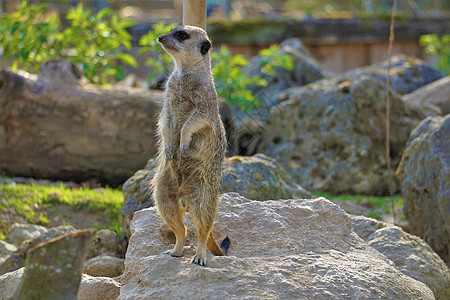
304, 93
340, 35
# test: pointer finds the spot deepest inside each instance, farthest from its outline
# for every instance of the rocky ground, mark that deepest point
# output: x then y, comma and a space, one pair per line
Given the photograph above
318, 133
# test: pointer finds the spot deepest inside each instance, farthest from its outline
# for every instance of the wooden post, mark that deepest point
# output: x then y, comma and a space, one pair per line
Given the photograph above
194, 13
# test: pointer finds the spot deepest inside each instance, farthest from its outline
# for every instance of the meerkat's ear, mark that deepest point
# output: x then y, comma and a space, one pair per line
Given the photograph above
204, 48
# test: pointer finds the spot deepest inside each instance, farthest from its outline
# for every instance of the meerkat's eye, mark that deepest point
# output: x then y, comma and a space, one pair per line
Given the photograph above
181, 35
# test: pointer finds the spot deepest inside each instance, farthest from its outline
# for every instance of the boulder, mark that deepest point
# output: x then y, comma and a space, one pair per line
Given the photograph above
91, 288
258, 177
330, 135
107, 242
435, 94
424, 173
407, 73
410, 254
19, 233
287, 249
104, 266
6, 250
17, 259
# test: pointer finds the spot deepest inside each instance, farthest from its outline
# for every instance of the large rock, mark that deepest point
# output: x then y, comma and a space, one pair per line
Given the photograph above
19, 233
406, 75
434, 94
288, 249
330, 135
425, 176
257, 177
17, 259
91, 288
410, 254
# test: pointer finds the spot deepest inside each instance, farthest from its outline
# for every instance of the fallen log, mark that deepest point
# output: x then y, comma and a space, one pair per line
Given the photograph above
55, 125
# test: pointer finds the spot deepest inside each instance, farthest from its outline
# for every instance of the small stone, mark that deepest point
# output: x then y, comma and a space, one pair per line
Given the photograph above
6, 250
18, 233
104, 266
107, 242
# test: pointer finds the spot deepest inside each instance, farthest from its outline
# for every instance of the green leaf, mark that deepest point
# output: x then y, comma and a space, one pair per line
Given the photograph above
128, 59
14, 65
103, 13
126, 43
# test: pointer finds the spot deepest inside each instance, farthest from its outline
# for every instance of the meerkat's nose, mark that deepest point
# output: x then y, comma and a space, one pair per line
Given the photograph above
161, 38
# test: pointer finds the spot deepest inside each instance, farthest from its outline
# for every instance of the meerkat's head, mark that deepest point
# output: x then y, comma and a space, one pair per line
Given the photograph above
188, 46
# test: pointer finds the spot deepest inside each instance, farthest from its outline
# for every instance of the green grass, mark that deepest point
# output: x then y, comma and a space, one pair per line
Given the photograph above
36, 202
377, 204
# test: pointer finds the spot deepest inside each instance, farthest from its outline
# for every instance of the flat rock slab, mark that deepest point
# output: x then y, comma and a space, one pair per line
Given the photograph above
287, 249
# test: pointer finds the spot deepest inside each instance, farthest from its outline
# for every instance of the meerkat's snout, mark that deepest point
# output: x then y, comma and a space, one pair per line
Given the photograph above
185, 39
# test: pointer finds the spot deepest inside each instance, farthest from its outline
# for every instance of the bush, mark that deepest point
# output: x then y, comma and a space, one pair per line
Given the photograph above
232, 83
440, 46
32, 36
149, 43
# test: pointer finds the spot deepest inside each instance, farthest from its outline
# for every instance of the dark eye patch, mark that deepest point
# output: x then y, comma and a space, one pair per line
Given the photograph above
181, 35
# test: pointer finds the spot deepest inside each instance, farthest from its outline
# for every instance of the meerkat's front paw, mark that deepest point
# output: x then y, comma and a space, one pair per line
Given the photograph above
199, 261
173, 253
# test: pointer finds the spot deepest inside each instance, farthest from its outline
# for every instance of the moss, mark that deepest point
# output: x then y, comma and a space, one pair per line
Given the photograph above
34, 202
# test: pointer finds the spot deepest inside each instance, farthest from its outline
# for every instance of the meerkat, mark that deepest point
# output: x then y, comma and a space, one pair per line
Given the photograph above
192, 143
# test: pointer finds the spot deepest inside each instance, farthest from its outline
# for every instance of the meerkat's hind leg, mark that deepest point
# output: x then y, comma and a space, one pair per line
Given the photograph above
204, 227
173, 215
179, 229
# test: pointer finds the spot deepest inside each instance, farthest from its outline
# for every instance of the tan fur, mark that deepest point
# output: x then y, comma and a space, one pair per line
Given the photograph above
192, 143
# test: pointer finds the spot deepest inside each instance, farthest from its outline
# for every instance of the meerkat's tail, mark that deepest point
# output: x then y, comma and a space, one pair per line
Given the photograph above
225, 245
214, 247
